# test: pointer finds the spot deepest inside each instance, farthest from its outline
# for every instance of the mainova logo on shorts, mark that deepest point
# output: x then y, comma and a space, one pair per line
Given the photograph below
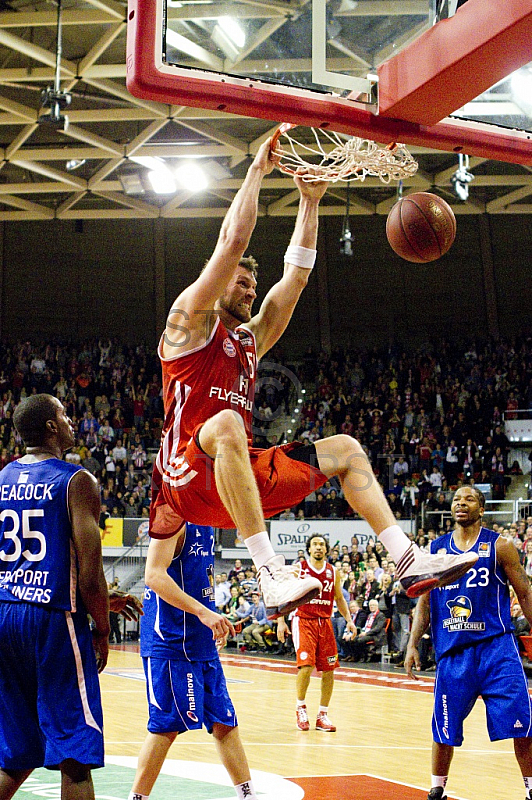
191, 698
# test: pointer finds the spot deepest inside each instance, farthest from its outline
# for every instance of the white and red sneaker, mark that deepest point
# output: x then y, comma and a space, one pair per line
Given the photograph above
302, 718
420, 572
323, 723
283, 589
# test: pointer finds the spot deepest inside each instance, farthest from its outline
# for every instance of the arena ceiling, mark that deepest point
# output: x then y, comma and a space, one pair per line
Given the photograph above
108, 127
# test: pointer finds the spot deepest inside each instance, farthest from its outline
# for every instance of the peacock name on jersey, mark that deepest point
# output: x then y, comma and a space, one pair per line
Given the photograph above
26, 491
461, 609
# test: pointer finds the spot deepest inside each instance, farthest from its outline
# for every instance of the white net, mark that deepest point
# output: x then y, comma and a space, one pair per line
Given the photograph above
333, 158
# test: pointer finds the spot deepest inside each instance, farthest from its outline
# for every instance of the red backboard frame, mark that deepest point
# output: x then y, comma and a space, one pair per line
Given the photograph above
148, 78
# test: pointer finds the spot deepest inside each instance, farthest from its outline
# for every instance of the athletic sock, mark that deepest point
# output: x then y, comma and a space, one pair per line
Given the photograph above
260, 548
137, 796
323, 709
438, 780
528, 785
395, 541
301, 703
245, 791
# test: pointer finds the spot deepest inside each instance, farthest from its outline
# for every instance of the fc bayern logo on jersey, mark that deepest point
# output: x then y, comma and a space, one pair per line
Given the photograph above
229, 348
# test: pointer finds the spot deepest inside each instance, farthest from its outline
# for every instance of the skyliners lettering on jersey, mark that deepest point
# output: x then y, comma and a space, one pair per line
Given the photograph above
233, 398
26, 491
26, 585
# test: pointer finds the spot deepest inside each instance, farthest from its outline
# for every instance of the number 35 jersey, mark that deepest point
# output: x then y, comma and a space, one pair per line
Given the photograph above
37, 557
475, 608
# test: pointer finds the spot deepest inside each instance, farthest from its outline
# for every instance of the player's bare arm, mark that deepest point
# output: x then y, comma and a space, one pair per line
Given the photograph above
343, 608
125, 604
188, 323
160, 555
420, 624
278, 305
84, 507
508, 558
282, 629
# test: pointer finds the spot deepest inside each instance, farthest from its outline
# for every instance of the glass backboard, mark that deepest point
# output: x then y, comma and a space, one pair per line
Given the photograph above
342, 64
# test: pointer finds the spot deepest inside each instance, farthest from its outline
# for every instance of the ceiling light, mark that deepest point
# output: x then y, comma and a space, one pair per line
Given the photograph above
74, 163
191, 177
217, 170
131, 183
231, 27
162, 181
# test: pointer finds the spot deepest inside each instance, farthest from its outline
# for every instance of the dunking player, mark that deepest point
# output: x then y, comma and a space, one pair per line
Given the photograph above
51, 575
476, 650
180, 632
313, 634
206, 471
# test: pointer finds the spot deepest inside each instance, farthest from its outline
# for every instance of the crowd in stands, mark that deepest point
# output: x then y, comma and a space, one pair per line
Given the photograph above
378, 605
428, 418
112, 394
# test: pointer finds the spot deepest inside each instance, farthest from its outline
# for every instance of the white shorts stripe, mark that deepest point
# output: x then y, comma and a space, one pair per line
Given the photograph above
89, 719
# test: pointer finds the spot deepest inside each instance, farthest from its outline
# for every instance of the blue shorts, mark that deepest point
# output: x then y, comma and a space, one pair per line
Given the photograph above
184, 695
50, 707
492, 669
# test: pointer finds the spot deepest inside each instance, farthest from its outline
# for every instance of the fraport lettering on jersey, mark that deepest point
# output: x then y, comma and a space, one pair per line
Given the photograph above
227, 396
32, 580
26, 491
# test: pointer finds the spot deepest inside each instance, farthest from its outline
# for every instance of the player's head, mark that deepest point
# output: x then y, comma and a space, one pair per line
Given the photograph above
239, 295
317, 544
468, 505
41, 419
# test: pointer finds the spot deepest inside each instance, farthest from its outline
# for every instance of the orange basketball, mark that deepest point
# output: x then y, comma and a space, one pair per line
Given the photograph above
421, 227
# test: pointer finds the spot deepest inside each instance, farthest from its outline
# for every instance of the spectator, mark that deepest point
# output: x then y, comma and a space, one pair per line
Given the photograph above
259, 624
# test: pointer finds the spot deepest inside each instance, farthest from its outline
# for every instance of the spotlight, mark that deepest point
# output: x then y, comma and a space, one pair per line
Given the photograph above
346, 241
462, 178
74, 163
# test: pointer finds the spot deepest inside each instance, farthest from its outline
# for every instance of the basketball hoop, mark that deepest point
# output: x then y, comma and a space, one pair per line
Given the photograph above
334, 158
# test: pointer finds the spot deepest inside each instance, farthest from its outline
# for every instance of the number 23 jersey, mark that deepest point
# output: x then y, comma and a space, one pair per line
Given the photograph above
475, 608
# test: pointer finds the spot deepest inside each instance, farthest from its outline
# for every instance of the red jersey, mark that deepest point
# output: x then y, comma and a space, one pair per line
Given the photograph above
321, 606
198, 384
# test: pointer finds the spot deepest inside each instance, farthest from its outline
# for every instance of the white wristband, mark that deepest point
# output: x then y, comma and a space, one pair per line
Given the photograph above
300, 256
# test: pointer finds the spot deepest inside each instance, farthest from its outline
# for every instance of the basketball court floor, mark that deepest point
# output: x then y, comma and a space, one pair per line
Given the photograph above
381, 750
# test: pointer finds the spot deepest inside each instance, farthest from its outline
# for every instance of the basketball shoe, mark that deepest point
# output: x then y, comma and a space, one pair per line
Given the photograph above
323, 723
436, 793
282, 588
420, 572
302, 718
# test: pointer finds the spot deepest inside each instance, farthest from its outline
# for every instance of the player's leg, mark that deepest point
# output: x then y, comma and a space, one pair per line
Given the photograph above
151, 758
442, 755
224, 440
523, 754
302, 684
419, 572
76, 781
11, 780
232, 755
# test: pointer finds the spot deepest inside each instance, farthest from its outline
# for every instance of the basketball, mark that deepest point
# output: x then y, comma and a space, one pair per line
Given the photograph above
421, 227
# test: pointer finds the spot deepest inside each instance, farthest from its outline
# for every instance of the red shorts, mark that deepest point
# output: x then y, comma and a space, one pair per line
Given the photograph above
282, 481
315, 643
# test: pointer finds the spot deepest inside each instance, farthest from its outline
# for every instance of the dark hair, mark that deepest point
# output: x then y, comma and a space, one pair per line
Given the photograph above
480, 495
317, 536
31, 416
248, 262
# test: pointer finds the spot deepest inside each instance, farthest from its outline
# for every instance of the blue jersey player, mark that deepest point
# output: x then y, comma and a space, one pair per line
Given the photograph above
51, 575
181, 633
476, 649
